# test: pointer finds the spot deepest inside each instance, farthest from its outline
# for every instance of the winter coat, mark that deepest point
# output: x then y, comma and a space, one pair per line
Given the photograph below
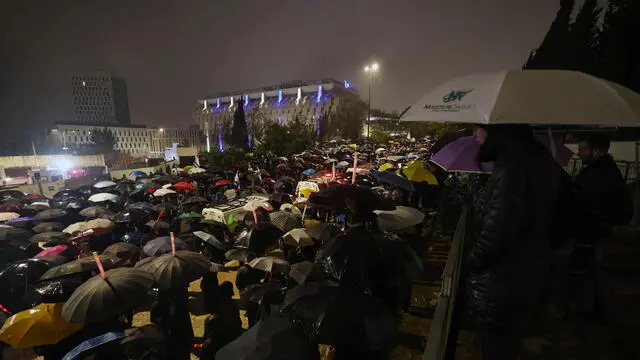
509, 256
602, 200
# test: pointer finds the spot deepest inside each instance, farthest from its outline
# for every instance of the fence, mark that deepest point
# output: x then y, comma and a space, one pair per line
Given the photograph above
438, 338
627, 169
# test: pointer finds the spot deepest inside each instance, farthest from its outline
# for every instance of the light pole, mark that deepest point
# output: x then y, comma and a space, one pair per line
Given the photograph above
370, 70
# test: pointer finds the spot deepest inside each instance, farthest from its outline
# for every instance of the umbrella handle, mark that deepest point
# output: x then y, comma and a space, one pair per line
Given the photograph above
99, 263
173, 244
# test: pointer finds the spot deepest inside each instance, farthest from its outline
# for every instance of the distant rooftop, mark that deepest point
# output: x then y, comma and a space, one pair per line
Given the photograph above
283, 85
114, 125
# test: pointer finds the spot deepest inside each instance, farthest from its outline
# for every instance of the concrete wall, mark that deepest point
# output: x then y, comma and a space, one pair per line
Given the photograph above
51, 161
48, 189
117, 174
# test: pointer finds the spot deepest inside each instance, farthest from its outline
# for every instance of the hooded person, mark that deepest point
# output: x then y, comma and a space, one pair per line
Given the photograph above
510, 255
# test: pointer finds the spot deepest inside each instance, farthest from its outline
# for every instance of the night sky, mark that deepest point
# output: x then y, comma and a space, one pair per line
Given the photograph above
173, 52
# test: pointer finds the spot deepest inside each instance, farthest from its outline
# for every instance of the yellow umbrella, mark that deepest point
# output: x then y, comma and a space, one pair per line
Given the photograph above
311, 223
353, 146
415, 163
40, 325
386, 166
419, 174
306, 192
188, 167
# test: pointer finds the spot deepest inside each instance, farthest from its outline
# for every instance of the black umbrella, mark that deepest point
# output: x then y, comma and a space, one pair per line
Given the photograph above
162, 245
51, 291
259, 238
256, 292
11, 195
323, 232
195, 200
107, 295
239, 254
166, 207
335, 315
17, 234
66, 193
306, 271
48, 227
77, 204
158, 225
35, 208
87, 190
82, 266
94, 211
16, 277
122, 250
177, 270
362, 199
134, 216
211, 240
145, 342
389, 178
45, 237
272, 338
50, 214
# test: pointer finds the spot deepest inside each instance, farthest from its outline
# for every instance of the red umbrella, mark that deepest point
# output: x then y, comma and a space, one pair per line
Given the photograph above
151, 190
268, 180
11, 207
184, 186
222, 182
87, 234
321, 174
33, 196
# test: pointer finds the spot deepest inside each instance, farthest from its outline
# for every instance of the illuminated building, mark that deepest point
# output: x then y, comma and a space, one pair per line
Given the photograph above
100, 99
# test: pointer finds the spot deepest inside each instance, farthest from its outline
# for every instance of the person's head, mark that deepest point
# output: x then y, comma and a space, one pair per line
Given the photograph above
495, 140
593, 147
226, 289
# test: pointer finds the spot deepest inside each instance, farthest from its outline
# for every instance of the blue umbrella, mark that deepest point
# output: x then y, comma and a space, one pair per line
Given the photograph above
20, 220
389, 178
138, 174
92, 344
309, 172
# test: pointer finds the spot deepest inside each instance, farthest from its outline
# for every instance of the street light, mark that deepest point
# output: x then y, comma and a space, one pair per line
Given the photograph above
370, 69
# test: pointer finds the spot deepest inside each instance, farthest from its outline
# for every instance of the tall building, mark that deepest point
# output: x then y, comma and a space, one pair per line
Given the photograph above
308, 100
100, 99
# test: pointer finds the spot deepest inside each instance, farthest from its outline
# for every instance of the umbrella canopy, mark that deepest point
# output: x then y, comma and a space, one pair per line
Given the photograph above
40, 325
194, 200
82, 266
136, 174
508, 97
102, 197
306, 271
95, 211
419, 174
211, 240
272, 338
104, 184
91, 224
196, 170
309, 172
100, 298
460, 155
49, 236
122, 250
158, 225
322, 232
172, 271
390, 178
47, 227
6, 216
284, 220
298, 237
90, 345
162, 192
254, 204
259, 238
12, 194
364, 199
37, 207
190, 216
56, 250
185, 186
239, 254
8, 234
51, 291
401, 218
162, 245
145, 342
50, 214
388, 167
21, 221
270, 264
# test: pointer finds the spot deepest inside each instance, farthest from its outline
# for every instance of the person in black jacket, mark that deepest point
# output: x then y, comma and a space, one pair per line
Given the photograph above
510, 255
602, 201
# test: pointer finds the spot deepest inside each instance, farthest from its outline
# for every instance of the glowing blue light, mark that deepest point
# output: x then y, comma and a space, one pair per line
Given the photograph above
217, 103
220, 146
280, 120
346, 84
319, 94
318, 131
279, 96
246, 100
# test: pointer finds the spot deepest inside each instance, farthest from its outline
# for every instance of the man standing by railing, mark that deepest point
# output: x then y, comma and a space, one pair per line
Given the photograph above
509, 258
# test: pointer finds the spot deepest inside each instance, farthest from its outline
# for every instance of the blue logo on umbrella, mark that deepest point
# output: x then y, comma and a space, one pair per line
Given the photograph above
455, 95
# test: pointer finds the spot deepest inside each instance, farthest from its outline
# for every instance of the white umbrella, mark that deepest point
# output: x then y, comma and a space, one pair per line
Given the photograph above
196, 170
102, 197
86, 225
543, 97
6, 216
252, 205
104, 184
379, 150
166, 186
298, 237
270, 264
163, 192
401, 218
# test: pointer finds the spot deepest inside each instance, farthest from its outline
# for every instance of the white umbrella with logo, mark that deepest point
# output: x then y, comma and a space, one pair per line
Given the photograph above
541, 97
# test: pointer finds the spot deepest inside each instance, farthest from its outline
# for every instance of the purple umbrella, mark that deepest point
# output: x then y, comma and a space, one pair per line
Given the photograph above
460, 155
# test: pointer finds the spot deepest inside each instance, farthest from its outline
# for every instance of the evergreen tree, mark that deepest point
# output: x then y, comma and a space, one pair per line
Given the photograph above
552, 52
239, 130
583, 41
620, 50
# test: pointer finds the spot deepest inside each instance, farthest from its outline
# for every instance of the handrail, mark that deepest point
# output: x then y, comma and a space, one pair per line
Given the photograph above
439, 331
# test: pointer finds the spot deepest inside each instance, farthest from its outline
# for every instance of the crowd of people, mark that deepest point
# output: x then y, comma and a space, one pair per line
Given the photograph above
324, 250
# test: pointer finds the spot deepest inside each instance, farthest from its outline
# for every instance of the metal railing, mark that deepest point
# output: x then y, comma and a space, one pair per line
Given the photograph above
438, 337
